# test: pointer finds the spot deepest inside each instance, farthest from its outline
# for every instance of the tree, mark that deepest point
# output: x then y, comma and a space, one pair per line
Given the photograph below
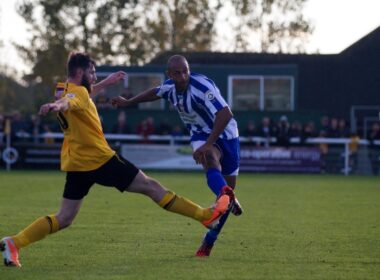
133, 32
173, 25
58, 27
270, 25
195, 25
13, 96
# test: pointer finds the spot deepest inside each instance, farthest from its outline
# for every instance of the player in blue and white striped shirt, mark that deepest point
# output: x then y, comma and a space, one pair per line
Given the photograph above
197, 106
213, 130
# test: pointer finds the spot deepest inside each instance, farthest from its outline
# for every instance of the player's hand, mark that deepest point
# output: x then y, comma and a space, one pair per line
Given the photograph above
49, 107
115, 77
200, 154
119, 101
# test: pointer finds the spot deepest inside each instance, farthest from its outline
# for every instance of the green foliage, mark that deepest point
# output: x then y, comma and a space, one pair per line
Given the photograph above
294, 227
277, 25
14, 96
58, 27
133, 32
177, 25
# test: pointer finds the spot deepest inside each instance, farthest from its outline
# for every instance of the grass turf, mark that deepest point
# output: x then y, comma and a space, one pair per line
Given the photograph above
294, 227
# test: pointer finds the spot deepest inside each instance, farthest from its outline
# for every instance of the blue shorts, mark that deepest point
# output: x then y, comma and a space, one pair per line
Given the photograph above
230, 150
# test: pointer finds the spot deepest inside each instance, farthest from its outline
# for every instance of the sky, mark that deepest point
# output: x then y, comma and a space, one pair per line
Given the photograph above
338, 24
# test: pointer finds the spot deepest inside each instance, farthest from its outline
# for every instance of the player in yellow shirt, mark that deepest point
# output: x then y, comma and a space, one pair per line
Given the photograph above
88, 159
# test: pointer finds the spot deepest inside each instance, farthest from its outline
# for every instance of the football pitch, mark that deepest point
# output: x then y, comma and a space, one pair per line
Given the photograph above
294, 227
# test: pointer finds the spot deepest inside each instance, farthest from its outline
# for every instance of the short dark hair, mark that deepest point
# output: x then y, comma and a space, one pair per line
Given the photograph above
78, 60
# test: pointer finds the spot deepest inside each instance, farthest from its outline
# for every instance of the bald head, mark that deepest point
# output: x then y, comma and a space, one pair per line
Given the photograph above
176, 60
178, 71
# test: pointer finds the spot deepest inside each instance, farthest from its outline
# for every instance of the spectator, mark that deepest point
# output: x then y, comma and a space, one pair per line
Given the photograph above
324, 149
333, 130
145, 129
251, 130
325, 124
283, 132
265, 130
150, 123
374, 152
127, 94
102, 101
19, 127
308, 131
296, 129
343, 130
121, 126
48, 139
353, 149
177, 131
165, 128
35, 127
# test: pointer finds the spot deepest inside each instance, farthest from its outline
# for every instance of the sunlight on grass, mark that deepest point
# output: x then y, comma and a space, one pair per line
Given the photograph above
294, 227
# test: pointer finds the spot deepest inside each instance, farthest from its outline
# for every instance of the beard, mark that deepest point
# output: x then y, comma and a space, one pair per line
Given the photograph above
182, 87
86, 83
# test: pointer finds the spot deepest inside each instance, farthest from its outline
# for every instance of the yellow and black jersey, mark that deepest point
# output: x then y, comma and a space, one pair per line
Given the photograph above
84, 146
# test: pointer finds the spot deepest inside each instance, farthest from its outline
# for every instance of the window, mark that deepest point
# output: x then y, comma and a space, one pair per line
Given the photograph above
112, 90
134, 84
271, 93
138, 82
246, 94
277, 94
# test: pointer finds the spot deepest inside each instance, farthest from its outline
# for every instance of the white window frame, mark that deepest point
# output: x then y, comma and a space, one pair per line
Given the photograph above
126, 80
261, 79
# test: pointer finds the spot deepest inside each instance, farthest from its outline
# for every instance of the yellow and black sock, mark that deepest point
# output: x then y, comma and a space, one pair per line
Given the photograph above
36, 231
184, 206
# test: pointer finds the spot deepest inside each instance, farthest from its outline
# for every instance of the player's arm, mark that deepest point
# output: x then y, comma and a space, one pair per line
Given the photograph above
145, 96
222, 119
60, 105
110, 80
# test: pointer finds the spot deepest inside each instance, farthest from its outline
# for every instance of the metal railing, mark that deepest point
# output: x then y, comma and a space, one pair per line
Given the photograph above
342, 145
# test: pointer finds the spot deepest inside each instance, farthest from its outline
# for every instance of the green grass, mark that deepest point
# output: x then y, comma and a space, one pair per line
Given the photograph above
294, 227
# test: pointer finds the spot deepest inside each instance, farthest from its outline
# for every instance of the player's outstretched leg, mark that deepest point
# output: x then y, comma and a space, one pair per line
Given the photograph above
220, 208
9, 252
209, 217
10, 246
172, 202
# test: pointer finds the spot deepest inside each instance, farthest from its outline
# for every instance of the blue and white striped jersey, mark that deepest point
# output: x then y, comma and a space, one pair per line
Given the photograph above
198, 105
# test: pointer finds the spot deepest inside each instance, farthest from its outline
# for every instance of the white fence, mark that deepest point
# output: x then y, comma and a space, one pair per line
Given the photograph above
341, 157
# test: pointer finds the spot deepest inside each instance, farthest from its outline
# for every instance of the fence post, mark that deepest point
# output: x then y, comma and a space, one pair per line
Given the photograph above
346, 169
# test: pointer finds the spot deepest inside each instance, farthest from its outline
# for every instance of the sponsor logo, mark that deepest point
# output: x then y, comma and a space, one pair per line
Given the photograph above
10, 155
